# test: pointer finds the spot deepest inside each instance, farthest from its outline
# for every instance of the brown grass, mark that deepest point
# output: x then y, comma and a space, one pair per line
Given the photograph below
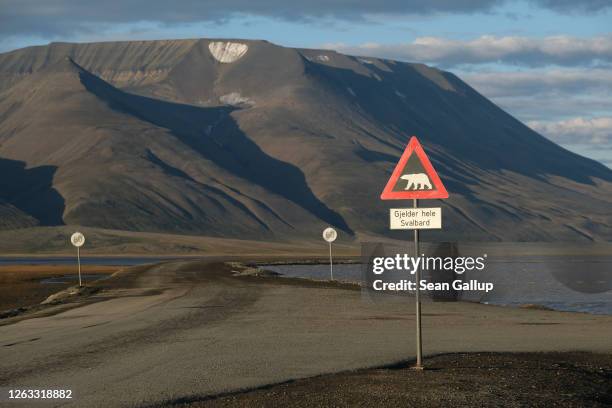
20, 284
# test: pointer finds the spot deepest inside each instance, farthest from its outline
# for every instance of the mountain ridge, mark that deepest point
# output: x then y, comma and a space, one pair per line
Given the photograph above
279, 143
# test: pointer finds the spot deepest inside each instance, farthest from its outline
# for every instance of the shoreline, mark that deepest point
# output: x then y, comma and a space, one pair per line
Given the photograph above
22, 287
15, 311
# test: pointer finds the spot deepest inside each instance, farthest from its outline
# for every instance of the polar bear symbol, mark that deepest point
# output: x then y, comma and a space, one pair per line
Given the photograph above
417, 181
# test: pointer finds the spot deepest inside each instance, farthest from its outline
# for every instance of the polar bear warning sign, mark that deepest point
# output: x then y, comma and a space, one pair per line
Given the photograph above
414, 176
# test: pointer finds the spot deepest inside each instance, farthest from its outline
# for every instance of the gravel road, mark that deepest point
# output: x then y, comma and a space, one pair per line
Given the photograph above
184, 330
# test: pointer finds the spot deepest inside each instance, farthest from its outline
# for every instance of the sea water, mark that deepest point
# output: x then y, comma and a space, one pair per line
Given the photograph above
576, 283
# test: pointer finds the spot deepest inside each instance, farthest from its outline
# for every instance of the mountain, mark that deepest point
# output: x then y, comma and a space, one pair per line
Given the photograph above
247, 139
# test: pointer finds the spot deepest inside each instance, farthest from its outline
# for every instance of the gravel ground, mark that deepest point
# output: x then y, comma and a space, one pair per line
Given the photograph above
451, 380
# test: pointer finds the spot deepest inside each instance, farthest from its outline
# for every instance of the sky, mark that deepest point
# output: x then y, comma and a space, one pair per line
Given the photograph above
547, 62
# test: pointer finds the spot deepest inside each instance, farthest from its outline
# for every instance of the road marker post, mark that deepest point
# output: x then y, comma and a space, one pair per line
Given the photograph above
78, 239
330, 235
415, 178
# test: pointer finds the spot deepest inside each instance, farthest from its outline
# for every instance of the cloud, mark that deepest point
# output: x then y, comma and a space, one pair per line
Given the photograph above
545, 107
554, 82
591, 137
573, 6
579, 130
68, 17
511, 50
546, 94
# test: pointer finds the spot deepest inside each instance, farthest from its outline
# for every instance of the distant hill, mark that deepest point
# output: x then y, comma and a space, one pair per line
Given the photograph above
246, 139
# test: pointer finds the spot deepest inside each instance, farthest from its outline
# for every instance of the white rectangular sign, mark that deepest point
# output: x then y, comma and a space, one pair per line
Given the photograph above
415, 218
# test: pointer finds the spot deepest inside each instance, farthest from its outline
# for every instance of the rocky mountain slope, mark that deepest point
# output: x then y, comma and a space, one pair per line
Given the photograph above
247, 139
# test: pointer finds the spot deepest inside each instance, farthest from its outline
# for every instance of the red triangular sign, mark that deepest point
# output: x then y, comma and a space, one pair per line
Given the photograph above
414, 176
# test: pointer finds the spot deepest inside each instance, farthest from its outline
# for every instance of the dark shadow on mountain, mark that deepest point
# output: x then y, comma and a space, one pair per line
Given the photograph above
31, 191
465, 123
374, 156
214, 133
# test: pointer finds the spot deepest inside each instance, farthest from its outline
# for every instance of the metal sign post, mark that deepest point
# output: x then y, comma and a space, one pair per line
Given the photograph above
330, 235
331, 264
79, 263
78, 239
419, 337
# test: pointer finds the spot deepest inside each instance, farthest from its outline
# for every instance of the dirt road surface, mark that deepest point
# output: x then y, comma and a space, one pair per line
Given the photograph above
185, 330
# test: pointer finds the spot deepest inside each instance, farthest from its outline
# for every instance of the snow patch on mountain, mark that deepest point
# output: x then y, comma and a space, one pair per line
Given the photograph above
235, 99
226, 51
